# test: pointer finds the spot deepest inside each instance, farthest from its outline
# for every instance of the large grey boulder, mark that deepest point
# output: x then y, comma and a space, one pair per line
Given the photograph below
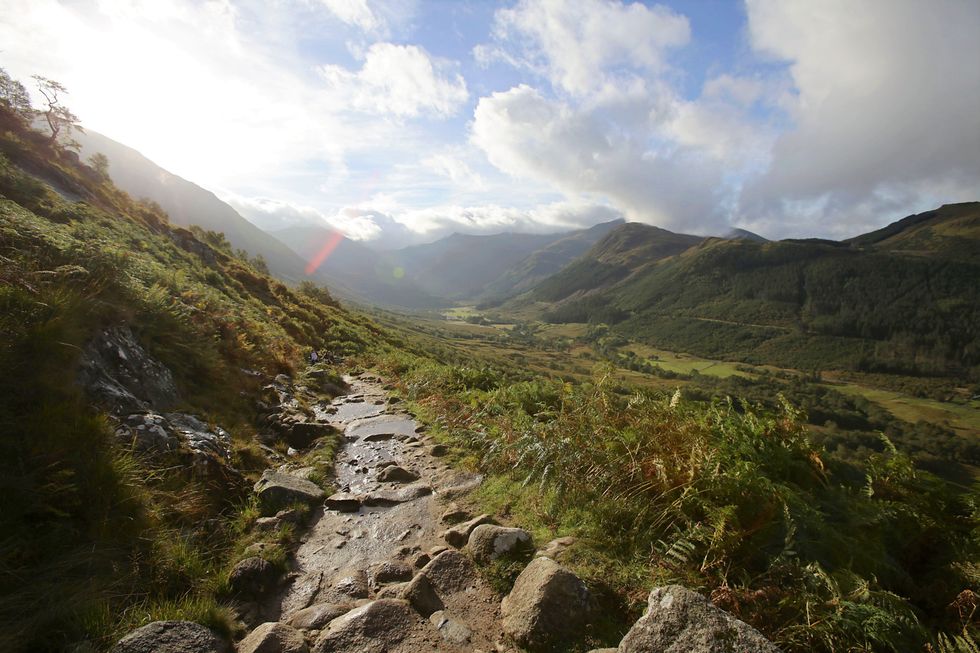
117, 373
678, 620
458, 535
317, 616
172, 637
450, 572
548, 606
273, 637
488, 542
422, 596
277, 490
376, 627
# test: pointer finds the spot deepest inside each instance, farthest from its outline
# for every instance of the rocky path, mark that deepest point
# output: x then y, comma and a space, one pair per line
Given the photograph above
376, 551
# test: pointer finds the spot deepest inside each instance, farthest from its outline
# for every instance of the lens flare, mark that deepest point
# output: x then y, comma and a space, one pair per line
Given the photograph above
328, 247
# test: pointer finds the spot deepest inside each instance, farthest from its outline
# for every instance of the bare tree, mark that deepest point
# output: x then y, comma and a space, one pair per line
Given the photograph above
58, 116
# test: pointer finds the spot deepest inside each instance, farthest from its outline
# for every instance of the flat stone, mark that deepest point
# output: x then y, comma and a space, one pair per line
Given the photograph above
451, 630
343, 502
317, 616
397, 474
277, 490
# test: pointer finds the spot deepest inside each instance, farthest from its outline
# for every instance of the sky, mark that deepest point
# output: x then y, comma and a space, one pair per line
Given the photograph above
401, 121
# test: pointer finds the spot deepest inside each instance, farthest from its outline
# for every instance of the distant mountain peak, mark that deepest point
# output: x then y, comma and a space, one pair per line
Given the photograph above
743, 234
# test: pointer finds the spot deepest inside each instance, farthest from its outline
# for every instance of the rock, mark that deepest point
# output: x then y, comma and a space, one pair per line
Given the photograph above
455, 515
376, 627
352, 584
397, 474
458, 535
422, 596
147, 433
343, 502
420, 560
117, 373
273, 637
555, 548
678, 620
267, 523
172, 637
604, 650
378, 437
548, 606
402, 495
449, 572
317, 616
451, 630
394, 400
290, 516
302, 434
390, 591
438, 450
277, 490
392, 571
253, 577
488, 542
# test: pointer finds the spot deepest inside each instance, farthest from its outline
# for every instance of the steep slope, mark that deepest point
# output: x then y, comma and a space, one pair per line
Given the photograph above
188, 204
802, 303
623, 252
546, 261
355, 270
951, 231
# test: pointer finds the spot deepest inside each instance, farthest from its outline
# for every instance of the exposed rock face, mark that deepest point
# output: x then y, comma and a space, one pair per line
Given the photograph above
372, 628
253, 577
172, 637
678, 620
277, 490
273, 637
118, 374
488, 542
547, 607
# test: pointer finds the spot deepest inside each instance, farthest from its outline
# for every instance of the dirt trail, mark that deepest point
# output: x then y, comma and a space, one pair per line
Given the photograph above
386, 531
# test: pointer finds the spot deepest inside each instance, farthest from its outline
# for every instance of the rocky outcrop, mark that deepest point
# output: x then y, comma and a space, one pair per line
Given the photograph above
458, 535
253, 577
547, 607
376, 627
172, 637
117, 373
272, 637
276, 490
678, 620
489, 542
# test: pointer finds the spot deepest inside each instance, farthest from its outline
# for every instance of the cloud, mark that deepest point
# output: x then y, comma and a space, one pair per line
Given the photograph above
580, 151
886, 106
400, 80
356, 13
577, 44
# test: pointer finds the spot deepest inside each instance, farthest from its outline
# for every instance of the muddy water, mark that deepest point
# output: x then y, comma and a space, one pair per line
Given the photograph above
395, 521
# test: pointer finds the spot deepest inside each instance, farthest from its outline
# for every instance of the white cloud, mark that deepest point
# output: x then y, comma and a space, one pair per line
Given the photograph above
577, 43
400, 80
356, 13
887, 105
580, 151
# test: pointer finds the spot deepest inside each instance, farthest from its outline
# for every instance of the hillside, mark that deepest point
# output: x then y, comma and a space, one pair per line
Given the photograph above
188, 204
904, 299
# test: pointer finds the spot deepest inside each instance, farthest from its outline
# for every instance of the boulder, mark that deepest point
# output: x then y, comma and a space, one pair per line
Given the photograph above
273, 637
450, 629
117, 373
458, 535
277, 490
392, 571
397, 474
488, 542
548, 606
253, 577
678, 620
556, 548
352, 584
375, 627
343, 502
317, 616
172, 637
438, 450
422, 596
449, 572
302, 434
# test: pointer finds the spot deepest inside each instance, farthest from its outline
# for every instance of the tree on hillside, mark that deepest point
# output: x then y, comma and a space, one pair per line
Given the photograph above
100, 163
58, 116
14, 100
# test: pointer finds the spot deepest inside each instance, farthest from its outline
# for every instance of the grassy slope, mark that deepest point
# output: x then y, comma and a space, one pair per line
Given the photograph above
94, 540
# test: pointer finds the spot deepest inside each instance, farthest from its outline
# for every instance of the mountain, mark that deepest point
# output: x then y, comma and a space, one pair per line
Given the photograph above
188, 204
743, 234
546, 261
902, 299
621, 253
355, 270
